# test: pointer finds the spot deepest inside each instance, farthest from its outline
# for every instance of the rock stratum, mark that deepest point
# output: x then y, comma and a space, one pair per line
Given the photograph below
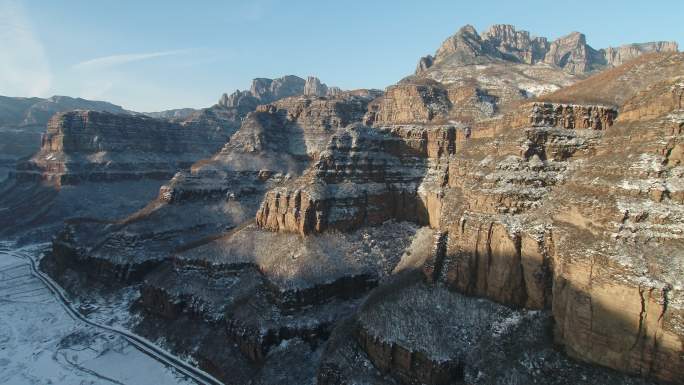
511, 213
23, 120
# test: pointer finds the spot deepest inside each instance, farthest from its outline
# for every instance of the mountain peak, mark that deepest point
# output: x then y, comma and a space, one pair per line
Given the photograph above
503, 42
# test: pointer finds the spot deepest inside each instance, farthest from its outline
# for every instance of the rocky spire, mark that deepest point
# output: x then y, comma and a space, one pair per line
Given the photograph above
314, 87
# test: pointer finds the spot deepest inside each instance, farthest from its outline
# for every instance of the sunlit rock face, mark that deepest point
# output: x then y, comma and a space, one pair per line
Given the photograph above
365, 177
618, 248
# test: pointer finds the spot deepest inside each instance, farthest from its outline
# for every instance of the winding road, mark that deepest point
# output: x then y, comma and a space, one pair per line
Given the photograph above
143, 345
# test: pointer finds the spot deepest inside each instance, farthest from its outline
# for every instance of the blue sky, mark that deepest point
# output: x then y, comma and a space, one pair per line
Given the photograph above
154, 55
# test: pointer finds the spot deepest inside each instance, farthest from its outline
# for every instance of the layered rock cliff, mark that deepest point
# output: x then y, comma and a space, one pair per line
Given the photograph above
273, 145
542, 215
88, 146
559, 221
618, 300
23, 120
365, 177
99, 164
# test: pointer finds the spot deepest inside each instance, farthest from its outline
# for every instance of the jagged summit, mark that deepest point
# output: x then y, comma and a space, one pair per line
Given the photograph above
502, 42
264, 91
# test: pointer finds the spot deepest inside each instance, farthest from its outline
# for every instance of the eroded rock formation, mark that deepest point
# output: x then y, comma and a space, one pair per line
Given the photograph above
447, 231
97, 146
504, 42
365, 177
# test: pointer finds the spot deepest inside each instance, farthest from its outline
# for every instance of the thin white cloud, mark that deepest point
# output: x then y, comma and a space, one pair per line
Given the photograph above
117, 60
96, 89
24, 68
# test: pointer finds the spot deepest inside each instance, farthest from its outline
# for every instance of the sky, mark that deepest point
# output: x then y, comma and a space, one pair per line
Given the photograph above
149, 55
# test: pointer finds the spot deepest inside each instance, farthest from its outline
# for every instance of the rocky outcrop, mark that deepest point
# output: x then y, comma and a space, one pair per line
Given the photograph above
552, 218
409, 366
504, 42
426, 102
261, 292
571, 53
88, 132
314, 87
572, 116
365, 177
23, 120
264, 91
493, 184
399, 332
621, 306
175, 114
217, 194
18, 112
424, 63
273, 143
489, 74
623, 54
465, 46
267, 90
518, 45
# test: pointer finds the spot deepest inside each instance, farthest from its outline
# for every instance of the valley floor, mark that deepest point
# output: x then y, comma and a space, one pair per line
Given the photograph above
41, 344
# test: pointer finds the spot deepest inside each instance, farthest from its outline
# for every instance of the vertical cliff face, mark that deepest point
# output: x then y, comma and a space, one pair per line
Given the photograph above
571, 53
544, 214
314, 87
554, 218
523, 220
618, 247
411, 103
572, 116
365, 177
99, 164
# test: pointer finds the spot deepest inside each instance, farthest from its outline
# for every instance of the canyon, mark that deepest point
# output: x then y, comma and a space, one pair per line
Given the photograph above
512, 212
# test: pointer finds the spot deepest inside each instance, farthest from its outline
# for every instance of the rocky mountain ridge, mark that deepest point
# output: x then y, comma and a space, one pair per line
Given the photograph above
17, 112
504, 42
